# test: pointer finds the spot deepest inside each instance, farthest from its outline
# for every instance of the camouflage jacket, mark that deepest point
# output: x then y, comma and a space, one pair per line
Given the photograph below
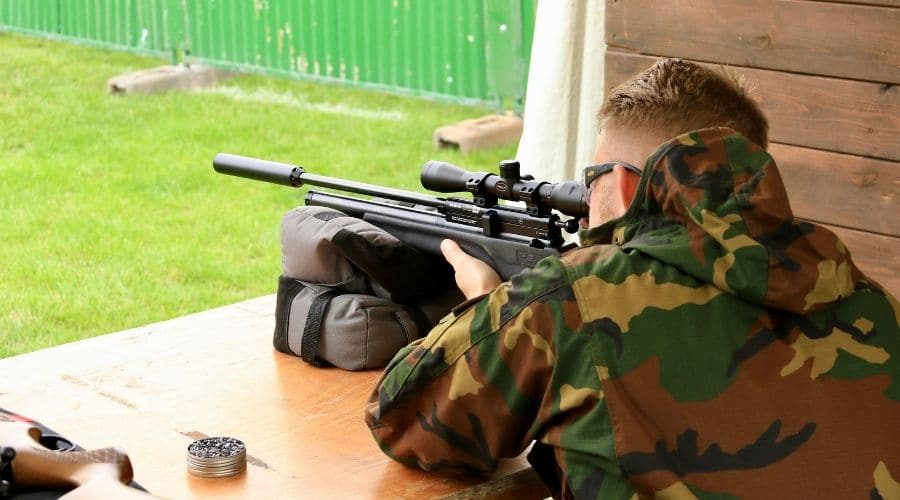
718, 348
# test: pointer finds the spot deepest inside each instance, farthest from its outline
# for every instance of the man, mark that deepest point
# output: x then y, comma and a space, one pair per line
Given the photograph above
700, 343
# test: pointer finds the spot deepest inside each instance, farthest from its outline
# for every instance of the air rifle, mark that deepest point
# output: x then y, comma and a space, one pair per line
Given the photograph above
509, 238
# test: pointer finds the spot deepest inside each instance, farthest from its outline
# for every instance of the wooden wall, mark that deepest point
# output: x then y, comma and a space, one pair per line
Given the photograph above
827, 75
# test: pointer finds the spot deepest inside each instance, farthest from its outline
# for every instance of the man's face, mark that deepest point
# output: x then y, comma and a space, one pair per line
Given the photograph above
615, 144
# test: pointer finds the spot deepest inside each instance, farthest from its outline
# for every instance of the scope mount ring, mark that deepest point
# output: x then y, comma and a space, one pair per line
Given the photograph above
475, 185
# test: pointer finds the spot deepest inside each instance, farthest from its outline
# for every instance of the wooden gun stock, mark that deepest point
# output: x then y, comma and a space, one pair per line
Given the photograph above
101, 473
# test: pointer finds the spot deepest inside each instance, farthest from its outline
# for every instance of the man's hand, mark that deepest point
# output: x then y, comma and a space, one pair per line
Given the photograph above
473, 277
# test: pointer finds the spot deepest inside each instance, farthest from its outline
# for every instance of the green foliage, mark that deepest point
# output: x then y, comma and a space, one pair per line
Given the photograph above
111, 216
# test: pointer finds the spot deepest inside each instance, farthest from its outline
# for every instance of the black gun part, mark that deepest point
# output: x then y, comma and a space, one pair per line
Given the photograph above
508, 238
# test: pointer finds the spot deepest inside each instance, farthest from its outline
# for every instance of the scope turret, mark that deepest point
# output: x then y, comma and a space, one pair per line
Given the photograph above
540, 197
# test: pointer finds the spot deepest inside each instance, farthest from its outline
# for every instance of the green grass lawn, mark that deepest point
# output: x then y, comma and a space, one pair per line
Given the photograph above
111, 216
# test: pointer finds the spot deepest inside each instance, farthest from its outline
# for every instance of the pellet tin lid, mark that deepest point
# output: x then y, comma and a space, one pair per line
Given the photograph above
216, 457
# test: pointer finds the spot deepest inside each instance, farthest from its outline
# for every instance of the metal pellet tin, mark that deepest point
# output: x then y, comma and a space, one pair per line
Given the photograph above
216, 457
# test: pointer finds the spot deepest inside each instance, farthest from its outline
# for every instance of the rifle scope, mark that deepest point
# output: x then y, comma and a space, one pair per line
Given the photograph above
539, 196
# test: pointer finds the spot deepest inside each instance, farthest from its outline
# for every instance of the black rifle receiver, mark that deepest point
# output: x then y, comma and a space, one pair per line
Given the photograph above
508, 238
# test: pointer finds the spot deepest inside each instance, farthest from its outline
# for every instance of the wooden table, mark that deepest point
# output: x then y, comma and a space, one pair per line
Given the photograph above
154, 389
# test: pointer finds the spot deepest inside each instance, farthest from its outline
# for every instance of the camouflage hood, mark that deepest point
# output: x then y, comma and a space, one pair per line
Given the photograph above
712, 204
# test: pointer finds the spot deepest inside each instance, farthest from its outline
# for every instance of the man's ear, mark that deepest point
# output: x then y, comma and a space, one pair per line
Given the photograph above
626, 184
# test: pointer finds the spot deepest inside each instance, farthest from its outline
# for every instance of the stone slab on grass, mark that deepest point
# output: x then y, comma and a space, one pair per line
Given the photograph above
486, 132
167, 78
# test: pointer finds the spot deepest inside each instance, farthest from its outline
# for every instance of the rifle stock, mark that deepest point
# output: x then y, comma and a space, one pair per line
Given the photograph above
101, 473
424, 230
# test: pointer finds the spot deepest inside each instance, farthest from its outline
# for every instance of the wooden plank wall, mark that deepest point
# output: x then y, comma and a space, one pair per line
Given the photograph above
827, 75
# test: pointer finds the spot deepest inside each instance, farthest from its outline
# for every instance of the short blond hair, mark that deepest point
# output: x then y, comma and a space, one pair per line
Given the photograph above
675, 96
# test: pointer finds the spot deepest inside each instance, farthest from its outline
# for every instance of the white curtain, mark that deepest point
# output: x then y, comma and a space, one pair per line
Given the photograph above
565, 89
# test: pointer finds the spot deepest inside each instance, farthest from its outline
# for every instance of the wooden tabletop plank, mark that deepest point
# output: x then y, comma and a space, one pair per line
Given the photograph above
153, 390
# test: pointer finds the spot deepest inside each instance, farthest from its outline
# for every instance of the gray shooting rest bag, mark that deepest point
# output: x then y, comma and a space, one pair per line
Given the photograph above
352, 295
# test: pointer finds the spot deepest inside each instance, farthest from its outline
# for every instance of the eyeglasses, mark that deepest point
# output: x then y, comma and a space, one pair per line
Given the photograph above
594, 171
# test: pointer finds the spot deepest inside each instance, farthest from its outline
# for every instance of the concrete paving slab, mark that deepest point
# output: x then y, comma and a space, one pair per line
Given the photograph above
167, 78
486, 132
